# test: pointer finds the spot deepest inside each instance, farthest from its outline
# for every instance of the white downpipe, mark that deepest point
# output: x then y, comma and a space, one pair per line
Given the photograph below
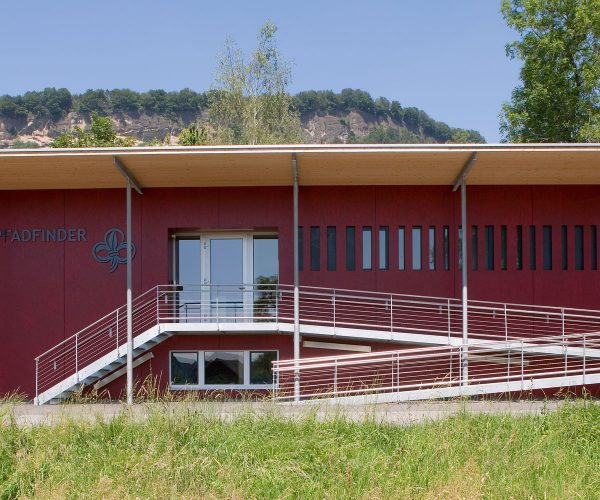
296, 283
129, 302
465, 263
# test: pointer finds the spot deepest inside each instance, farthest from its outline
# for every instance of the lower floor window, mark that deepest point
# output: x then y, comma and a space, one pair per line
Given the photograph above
222, 369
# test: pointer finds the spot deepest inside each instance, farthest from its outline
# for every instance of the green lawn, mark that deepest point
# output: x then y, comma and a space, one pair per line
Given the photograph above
556, 455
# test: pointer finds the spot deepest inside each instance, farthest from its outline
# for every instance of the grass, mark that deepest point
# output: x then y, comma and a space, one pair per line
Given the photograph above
554, 455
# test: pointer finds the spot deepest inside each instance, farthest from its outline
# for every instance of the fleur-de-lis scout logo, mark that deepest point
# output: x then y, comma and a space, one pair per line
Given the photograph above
113, 249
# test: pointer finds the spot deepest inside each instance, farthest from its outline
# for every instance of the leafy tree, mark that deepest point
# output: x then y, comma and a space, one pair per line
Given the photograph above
100, 135
194, 135
250, 103
94, 101
558, 99
125, 101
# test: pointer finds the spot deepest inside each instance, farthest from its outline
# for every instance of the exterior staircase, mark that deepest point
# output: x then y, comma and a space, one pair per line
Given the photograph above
98, 350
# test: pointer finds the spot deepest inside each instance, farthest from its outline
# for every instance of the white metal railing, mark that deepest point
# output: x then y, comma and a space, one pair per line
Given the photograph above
405, 370
325, 307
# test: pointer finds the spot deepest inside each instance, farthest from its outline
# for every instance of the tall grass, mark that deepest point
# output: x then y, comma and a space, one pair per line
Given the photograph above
190, 454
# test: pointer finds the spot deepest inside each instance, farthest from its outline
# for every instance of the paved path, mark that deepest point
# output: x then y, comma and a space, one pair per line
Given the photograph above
399, 413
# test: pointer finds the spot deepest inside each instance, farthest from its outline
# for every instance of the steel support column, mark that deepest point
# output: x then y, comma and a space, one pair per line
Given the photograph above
129, 302
465, 262
296, 281
131, 183
461, 182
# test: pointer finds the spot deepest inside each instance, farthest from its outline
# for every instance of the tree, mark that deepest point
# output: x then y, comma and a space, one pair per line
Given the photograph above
194, 135
558, 99
100, 135
250, 103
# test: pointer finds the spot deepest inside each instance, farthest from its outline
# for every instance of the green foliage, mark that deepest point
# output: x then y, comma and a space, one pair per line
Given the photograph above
189, 452
194, 135
100, 135
558, 99
19, 144
250, 103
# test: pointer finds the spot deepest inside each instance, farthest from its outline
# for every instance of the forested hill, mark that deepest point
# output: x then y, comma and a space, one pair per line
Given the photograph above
350, 116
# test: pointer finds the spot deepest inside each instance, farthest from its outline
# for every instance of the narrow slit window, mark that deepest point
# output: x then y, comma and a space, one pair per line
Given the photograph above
300, 248
519, 262
331, 248
446, 248
532, 249
564, 248
401, 249
593, 248
367, 248
579, 248
503, 248
489, 248
384, 247
432, 248
547, 243
474, 248
315, 248
416, 249
350, 248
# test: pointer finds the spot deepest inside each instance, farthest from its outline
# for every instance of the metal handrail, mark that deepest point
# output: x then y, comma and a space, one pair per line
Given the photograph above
321, 306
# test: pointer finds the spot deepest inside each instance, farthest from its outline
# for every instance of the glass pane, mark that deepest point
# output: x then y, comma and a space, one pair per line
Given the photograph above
489, 248
416, 248
547, 232
331, 248
432, 248
315, 248
350, 248
227, 276
503, 248
446, 248
519, 262
261, 364
579, 248
222, 368
593, 248
184, 368
367, 249
401, 249
188, 300
565, 248
383, 247
532, 249
266, 275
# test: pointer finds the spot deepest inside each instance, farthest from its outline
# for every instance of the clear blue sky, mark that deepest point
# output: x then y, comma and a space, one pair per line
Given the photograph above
445, 57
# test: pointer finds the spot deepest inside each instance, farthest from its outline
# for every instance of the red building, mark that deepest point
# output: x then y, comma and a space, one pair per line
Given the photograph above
213, 252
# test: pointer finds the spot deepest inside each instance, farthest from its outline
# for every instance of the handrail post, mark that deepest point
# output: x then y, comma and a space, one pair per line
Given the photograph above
37, 369
77, 356
335, 379
449, 322
391, 313
505, 324
522, 365
584, 359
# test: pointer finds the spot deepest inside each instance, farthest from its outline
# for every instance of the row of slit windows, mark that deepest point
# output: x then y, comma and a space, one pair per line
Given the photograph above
430, 262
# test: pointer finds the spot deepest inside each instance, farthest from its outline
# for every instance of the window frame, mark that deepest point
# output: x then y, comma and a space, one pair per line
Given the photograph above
201, 376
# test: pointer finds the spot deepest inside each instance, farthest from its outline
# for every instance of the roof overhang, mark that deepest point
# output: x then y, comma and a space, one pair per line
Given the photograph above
319, 165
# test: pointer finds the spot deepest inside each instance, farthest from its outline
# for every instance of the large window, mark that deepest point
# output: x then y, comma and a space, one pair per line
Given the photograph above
547, 247
222, 369
519, 254
579, 248
446, 248
532, 249
593, 248
565, 248
431, 253
489, 248
503, 248
474, 248
401, 249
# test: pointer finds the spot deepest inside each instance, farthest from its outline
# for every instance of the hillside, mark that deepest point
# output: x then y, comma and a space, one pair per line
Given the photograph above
34, 119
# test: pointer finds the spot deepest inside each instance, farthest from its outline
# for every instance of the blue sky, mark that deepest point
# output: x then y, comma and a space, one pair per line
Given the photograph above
445, 57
